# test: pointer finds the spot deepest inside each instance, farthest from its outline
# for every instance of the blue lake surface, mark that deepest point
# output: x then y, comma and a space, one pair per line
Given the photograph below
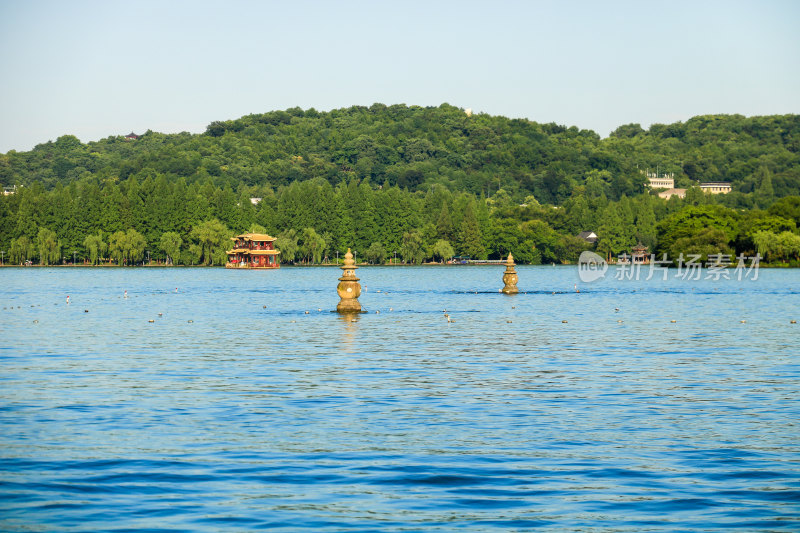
235, 410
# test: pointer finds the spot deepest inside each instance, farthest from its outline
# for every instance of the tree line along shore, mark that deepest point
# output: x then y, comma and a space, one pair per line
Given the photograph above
412, 183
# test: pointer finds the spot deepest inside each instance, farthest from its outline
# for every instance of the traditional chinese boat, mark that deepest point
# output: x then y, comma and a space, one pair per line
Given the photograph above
253, 250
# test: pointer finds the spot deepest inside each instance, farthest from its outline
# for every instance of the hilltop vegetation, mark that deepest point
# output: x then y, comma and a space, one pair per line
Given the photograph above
422, 182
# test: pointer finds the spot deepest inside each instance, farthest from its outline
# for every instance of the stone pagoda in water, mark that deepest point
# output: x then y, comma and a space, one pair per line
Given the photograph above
349, 289
510, 277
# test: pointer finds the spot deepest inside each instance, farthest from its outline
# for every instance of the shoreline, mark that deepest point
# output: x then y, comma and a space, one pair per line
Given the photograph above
365, 265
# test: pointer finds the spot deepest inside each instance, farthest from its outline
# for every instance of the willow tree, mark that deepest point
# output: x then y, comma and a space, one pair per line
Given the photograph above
212, 238
286, 243
411, 248
116, 246
171, 243
442, 250
789, 245
313, 245
96, 247
136, 244
127, 247
22, 249
49, 246
376, 253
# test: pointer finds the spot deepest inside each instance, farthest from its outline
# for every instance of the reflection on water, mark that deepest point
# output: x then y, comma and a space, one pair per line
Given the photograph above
349, 330
246, 403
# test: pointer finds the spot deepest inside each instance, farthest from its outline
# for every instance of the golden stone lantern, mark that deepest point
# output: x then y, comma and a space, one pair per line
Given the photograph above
510, 277
349, 289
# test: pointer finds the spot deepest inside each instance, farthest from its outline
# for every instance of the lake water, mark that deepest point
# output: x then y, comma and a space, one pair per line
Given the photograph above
235, 410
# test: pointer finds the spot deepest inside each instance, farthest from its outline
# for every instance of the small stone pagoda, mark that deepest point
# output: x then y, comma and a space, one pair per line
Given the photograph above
349, 289
510, 277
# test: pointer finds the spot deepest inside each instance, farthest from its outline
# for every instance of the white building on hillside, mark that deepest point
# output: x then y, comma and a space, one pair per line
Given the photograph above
717, 187
663, 181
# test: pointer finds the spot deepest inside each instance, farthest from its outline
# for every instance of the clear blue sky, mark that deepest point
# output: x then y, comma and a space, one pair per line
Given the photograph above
99, 68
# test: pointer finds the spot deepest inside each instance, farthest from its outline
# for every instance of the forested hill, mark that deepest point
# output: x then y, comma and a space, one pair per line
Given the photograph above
414, 147
419, 183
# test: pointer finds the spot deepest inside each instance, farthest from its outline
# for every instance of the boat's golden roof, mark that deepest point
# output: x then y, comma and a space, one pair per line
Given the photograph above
254, 237
245, 251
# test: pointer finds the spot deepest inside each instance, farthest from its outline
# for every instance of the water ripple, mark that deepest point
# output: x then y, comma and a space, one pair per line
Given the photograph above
235, 411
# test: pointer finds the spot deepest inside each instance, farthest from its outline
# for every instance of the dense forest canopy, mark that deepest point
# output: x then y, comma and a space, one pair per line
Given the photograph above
423, 182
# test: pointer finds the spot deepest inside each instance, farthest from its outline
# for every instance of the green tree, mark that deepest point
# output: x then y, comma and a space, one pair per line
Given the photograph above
756, 221
376, 253
117, 246
49, 246
626, 212
789, 245
506, 237
628, 130
704, 243
22, 249
442, 250
766, 244
693, 221
312, 245
499, 200
541, 242
256, 228
773, 247
192, 254
212, 238
645, 226
469, 236
694, 196
788, 207
579, 215
286, 243
598, 182
765, 193
135, 246
96, 247
171, 243
411, 249
569, 248
611, 238
444, 225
